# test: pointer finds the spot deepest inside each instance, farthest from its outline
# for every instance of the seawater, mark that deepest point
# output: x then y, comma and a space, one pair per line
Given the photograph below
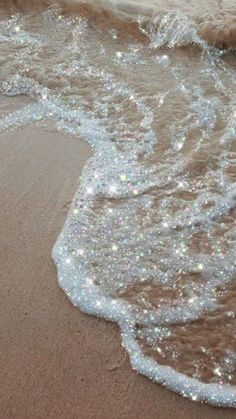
150, 238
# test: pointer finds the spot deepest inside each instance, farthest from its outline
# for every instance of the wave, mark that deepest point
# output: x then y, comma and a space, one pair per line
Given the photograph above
150, 238
215, 20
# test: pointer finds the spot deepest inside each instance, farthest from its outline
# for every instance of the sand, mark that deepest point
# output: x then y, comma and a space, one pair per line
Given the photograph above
56, 361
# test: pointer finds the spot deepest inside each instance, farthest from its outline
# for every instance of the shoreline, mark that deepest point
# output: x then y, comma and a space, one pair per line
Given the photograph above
58, 362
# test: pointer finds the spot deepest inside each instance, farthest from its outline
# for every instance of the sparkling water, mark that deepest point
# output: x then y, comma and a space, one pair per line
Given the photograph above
150, 238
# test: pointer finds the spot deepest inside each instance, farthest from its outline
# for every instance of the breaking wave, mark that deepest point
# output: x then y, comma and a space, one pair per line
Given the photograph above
150, 238
215, 20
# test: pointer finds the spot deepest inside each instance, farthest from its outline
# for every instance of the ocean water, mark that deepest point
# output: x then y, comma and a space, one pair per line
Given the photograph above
150, 238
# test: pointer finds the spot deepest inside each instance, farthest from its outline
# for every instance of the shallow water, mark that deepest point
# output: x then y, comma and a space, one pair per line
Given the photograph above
150, 238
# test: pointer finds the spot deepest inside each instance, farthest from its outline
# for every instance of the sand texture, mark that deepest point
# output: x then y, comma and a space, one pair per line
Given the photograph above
57, 362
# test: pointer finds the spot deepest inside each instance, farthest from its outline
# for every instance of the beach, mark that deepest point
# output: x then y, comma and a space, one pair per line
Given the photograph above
58, 363
118, 208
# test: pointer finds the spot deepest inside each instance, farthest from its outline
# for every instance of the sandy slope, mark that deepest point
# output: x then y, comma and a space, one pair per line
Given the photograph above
57, 362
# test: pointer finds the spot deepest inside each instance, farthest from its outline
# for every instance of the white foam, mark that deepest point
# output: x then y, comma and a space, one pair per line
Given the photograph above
158, 178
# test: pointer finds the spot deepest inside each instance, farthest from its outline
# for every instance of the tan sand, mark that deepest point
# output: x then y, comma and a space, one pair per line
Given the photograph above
56, 361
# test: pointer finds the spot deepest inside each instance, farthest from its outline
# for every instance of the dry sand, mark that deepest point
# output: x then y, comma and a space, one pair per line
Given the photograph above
56, 361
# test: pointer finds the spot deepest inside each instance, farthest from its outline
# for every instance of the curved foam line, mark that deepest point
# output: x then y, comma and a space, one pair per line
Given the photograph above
116, 311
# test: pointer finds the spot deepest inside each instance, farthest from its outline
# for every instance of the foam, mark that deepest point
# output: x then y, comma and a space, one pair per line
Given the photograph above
149, 241
215, 21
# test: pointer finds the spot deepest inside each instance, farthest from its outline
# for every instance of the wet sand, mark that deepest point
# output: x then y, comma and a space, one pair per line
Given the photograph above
56, 361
